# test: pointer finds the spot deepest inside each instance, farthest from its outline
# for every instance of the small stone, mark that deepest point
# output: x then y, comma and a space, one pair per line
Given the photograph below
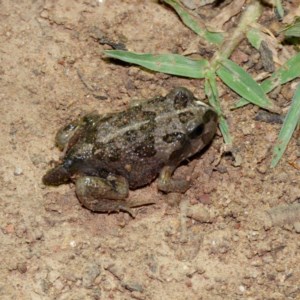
204, 199
280, 268
73, 244
134, 286
37, 235
58, 284
133, 71
262, 169
91, 272
22, 267
247, 130
236, 238
18, 171
242, 288
53, 276
10, 228
297, 227
44, 14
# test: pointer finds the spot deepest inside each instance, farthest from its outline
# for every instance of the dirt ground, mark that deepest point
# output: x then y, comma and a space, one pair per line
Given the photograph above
207, 244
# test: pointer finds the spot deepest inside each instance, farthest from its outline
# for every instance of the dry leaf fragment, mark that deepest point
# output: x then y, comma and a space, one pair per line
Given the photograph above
227, 13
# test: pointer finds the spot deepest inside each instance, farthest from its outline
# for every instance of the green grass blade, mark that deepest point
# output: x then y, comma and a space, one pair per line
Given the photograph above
279, 8
188, 20
165, 63
287, 72
254, 37
242, 83
223, 124
211, 92
288, 127
294, 29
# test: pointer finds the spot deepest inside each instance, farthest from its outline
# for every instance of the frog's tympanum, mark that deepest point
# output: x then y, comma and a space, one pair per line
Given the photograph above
106, 155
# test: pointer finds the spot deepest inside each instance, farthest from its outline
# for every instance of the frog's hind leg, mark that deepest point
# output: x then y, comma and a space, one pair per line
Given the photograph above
103, 194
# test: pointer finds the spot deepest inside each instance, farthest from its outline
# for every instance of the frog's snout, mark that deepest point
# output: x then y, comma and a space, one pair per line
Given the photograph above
56, 176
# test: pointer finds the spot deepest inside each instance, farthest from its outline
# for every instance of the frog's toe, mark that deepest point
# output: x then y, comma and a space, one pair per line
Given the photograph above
168, 184
104, 205
173, 185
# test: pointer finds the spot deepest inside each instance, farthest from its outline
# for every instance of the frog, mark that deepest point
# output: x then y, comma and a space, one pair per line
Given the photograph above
106, 155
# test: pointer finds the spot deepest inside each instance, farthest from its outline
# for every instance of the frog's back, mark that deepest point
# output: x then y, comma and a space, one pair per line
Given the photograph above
129, 143
135, 143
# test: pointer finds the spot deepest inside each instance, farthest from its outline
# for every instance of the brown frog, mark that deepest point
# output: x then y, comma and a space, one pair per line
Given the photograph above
106, 155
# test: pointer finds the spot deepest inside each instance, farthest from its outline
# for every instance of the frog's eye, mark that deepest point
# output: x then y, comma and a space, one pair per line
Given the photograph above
69, 128
209, 116
64, 135
197, 131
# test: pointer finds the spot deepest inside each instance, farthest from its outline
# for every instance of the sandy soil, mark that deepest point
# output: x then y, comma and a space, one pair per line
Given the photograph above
51, 71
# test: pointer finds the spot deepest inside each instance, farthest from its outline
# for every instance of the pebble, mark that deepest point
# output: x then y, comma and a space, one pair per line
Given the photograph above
58, 284
53, 276
90, 274
133, 286
73, 244
22, 267
242, 288
18, 171
44, 14
297, 227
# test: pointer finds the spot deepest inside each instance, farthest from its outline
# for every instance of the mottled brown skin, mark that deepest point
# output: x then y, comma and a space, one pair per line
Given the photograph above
105, 155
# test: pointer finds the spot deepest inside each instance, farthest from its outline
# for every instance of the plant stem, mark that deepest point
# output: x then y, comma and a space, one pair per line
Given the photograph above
250, 15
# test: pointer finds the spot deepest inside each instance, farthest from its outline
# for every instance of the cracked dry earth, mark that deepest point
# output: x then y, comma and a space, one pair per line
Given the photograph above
206, 244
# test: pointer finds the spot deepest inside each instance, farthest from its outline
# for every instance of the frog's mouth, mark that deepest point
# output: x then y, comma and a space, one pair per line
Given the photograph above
56, 176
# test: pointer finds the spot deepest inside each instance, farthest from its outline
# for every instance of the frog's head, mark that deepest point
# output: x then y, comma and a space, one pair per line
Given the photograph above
202, 127
68, 135
199, 120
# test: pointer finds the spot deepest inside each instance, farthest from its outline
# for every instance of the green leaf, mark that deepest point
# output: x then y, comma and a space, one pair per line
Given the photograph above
242, 83
254, 37
279, 8
189, 21
294, 29
165, 63
288, 127
211, 92
287, 72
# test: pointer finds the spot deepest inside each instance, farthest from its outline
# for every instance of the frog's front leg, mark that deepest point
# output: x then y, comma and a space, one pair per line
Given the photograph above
168, 184
103, 194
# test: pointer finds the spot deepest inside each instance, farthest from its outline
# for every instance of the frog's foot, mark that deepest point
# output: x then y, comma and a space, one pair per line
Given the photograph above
103, 195
56, 176
167, 184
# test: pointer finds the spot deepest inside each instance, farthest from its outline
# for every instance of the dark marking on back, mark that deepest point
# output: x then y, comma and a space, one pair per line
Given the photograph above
108, 151
174, 137
184, 117
146, 148
131, 136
